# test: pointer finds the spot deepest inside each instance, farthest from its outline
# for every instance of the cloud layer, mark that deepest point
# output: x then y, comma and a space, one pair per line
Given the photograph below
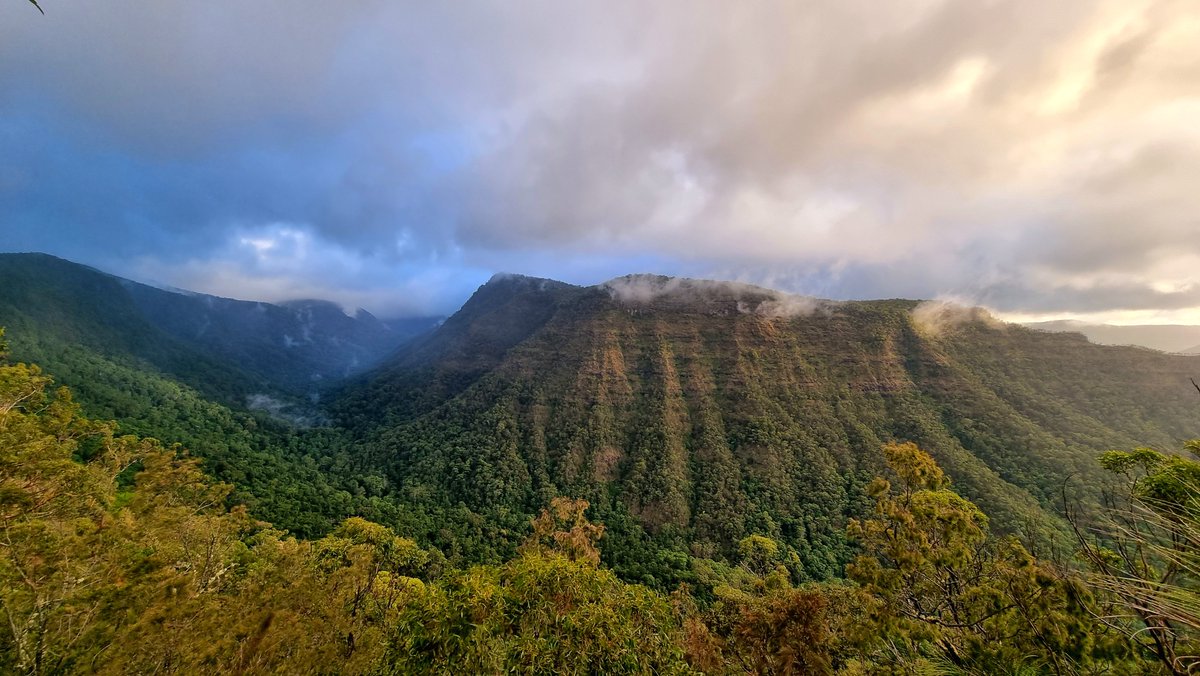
1035, 157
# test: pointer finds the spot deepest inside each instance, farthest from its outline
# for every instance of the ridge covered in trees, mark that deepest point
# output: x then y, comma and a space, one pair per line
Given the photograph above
689, 414
761, 483
121, 556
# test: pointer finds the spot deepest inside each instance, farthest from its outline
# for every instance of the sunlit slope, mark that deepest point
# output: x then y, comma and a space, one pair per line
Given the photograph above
708, 412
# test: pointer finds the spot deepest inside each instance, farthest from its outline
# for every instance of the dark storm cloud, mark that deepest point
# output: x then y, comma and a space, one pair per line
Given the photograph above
1036, 156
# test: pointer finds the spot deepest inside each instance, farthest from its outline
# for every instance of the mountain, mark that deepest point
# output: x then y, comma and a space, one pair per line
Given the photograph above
690, 413
68, 317
1179, 338
298, 345
695, 413
185, 368
294, 346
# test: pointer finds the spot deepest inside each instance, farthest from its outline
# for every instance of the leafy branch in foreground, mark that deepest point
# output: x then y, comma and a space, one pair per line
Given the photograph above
117, 556
1146, 553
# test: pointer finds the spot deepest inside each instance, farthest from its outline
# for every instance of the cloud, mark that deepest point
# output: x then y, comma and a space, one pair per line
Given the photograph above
287, 262
719, 296
937, 316
1038, 157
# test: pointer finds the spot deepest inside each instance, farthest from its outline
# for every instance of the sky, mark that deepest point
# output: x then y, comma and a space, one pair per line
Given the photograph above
1038, 158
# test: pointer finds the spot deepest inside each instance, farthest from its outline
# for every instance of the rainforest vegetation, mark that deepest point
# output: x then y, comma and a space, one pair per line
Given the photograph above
697, 477
121, 556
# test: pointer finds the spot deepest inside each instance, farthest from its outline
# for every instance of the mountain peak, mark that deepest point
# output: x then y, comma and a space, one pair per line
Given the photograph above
523, 281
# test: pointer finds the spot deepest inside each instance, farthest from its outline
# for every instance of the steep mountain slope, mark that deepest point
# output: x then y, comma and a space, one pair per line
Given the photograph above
294, 346
696, 413
433, 368
691, 414
61, 315
124, 350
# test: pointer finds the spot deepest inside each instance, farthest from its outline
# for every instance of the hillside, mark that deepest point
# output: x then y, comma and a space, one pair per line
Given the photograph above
691, 414
1179, 338
298, 345
696, 413
295, 347
120, 557
124, 350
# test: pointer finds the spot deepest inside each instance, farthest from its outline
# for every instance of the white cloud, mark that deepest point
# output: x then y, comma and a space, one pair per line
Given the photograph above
1037, 157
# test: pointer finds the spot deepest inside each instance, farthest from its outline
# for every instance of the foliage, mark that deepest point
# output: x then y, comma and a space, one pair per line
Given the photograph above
941, 587
563, 529
537, 614
1145, 551
780, 631
120, 557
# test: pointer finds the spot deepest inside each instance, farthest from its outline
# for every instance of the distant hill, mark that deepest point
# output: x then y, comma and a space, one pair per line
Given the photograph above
295, 346
298, 345
1178, 338
700, 412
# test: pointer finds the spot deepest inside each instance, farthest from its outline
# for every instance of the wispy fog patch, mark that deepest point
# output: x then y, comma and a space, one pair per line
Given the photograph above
284, 411
791, 305
726, 297
642, 288
647, 288
936, 316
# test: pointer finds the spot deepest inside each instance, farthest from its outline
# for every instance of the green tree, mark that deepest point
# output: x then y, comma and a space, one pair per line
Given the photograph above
942, 590
550, 610
563, 529
780, 631
1146, 553
117, 556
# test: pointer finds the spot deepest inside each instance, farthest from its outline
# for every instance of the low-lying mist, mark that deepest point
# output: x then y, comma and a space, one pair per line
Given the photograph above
720, 297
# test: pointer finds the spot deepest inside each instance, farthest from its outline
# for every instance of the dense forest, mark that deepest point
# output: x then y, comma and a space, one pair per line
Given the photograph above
652, 475
121, 556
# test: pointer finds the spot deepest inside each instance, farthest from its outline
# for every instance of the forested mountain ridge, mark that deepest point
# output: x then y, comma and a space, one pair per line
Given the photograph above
697, 413
1182, 339
691, 414
87, 328
295, 346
